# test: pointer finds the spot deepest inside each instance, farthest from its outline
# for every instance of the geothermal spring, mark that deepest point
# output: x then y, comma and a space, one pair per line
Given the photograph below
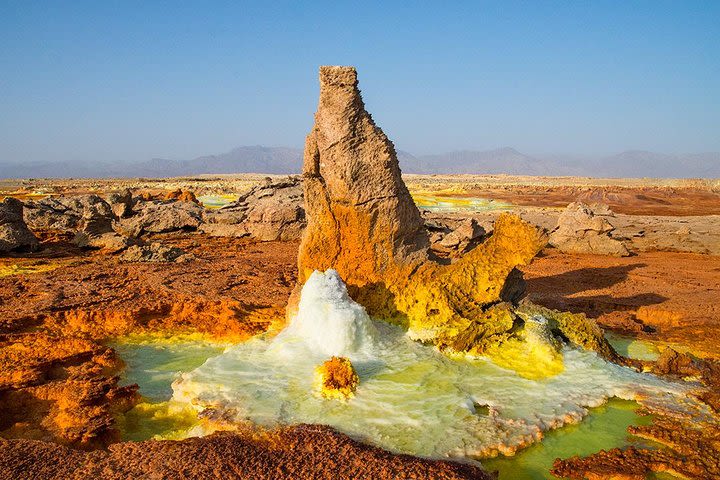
492, 378
411, 398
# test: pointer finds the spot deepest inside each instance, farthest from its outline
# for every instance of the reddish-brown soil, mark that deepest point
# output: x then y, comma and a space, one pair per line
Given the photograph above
670, 297
629, 201
298, 452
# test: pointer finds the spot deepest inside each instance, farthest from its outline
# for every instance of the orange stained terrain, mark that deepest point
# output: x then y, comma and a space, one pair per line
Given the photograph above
670, 297
58, 382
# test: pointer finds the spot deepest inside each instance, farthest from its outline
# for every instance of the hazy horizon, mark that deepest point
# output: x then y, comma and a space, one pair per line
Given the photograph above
130, 82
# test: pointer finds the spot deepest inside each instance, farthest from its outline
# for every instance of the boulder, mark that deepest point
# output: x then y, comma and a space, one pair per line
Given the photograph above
121, 203
159, 217
155, 252
273, 211
88, 217
14, 233
458, 239
56, 213
581, 230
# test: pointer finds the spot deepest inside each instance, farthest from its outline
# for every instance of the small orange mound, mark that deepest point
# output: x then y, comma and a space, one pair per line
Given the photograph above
181, 196
336, 378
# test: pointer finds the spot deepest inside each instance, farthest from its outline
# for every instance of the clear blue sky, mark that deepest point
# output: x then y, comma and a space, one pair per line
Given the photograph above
128, 81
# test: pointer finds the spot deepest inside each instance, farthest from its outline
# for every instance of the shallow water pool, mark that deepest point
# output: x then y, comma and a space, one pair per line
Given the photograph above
604, 428
632, 347
154, 362
410, 399
449, 203
214, 202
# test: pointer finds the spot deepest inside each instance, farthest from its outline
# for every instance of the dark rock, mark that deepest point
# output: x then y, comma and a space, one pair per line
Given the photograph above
159, 217
14, 233
272, 211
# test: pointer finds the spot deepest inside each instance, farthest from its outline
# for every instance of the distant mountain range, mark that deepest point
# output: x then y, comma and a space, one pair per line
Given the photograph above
279, 160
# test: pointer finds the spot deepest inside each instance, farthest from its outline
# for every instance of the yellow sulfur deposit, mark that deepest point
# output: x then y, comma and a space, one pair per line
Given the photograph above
161, 421
15, 269
533, 354
336, 378
363, 223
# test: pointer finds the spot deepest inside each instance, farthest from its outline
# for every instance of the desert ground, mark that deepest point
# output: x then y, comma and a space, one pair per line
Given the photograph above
352, 323
62, 304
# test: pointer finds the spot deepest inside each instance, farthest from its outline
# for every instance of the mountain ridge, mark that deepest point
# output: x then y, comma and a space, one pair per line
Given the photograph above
288, 160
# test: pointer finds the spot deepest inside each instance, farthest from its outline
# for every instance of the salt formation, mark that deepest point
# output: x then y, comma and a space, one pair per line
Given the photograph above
328, 320
362, 222
410, 397
513, 370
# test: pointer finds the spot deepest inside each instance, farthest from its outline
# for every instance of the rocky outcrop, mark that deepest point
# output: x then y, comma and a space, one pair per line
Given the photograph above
363, 223
160, 217
121, 203
361, 218
181, 196
14, 233
96, 226
453, 237
581, 229
54, 213
155, 252
88, 217
273, 211
112, 224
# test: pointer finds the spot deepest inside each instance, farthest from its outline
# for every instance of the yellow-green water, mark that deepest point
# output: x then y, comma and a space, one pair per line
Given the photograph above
449, 203
633, 348
411, 398
154, 362
213, 202
604, 428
